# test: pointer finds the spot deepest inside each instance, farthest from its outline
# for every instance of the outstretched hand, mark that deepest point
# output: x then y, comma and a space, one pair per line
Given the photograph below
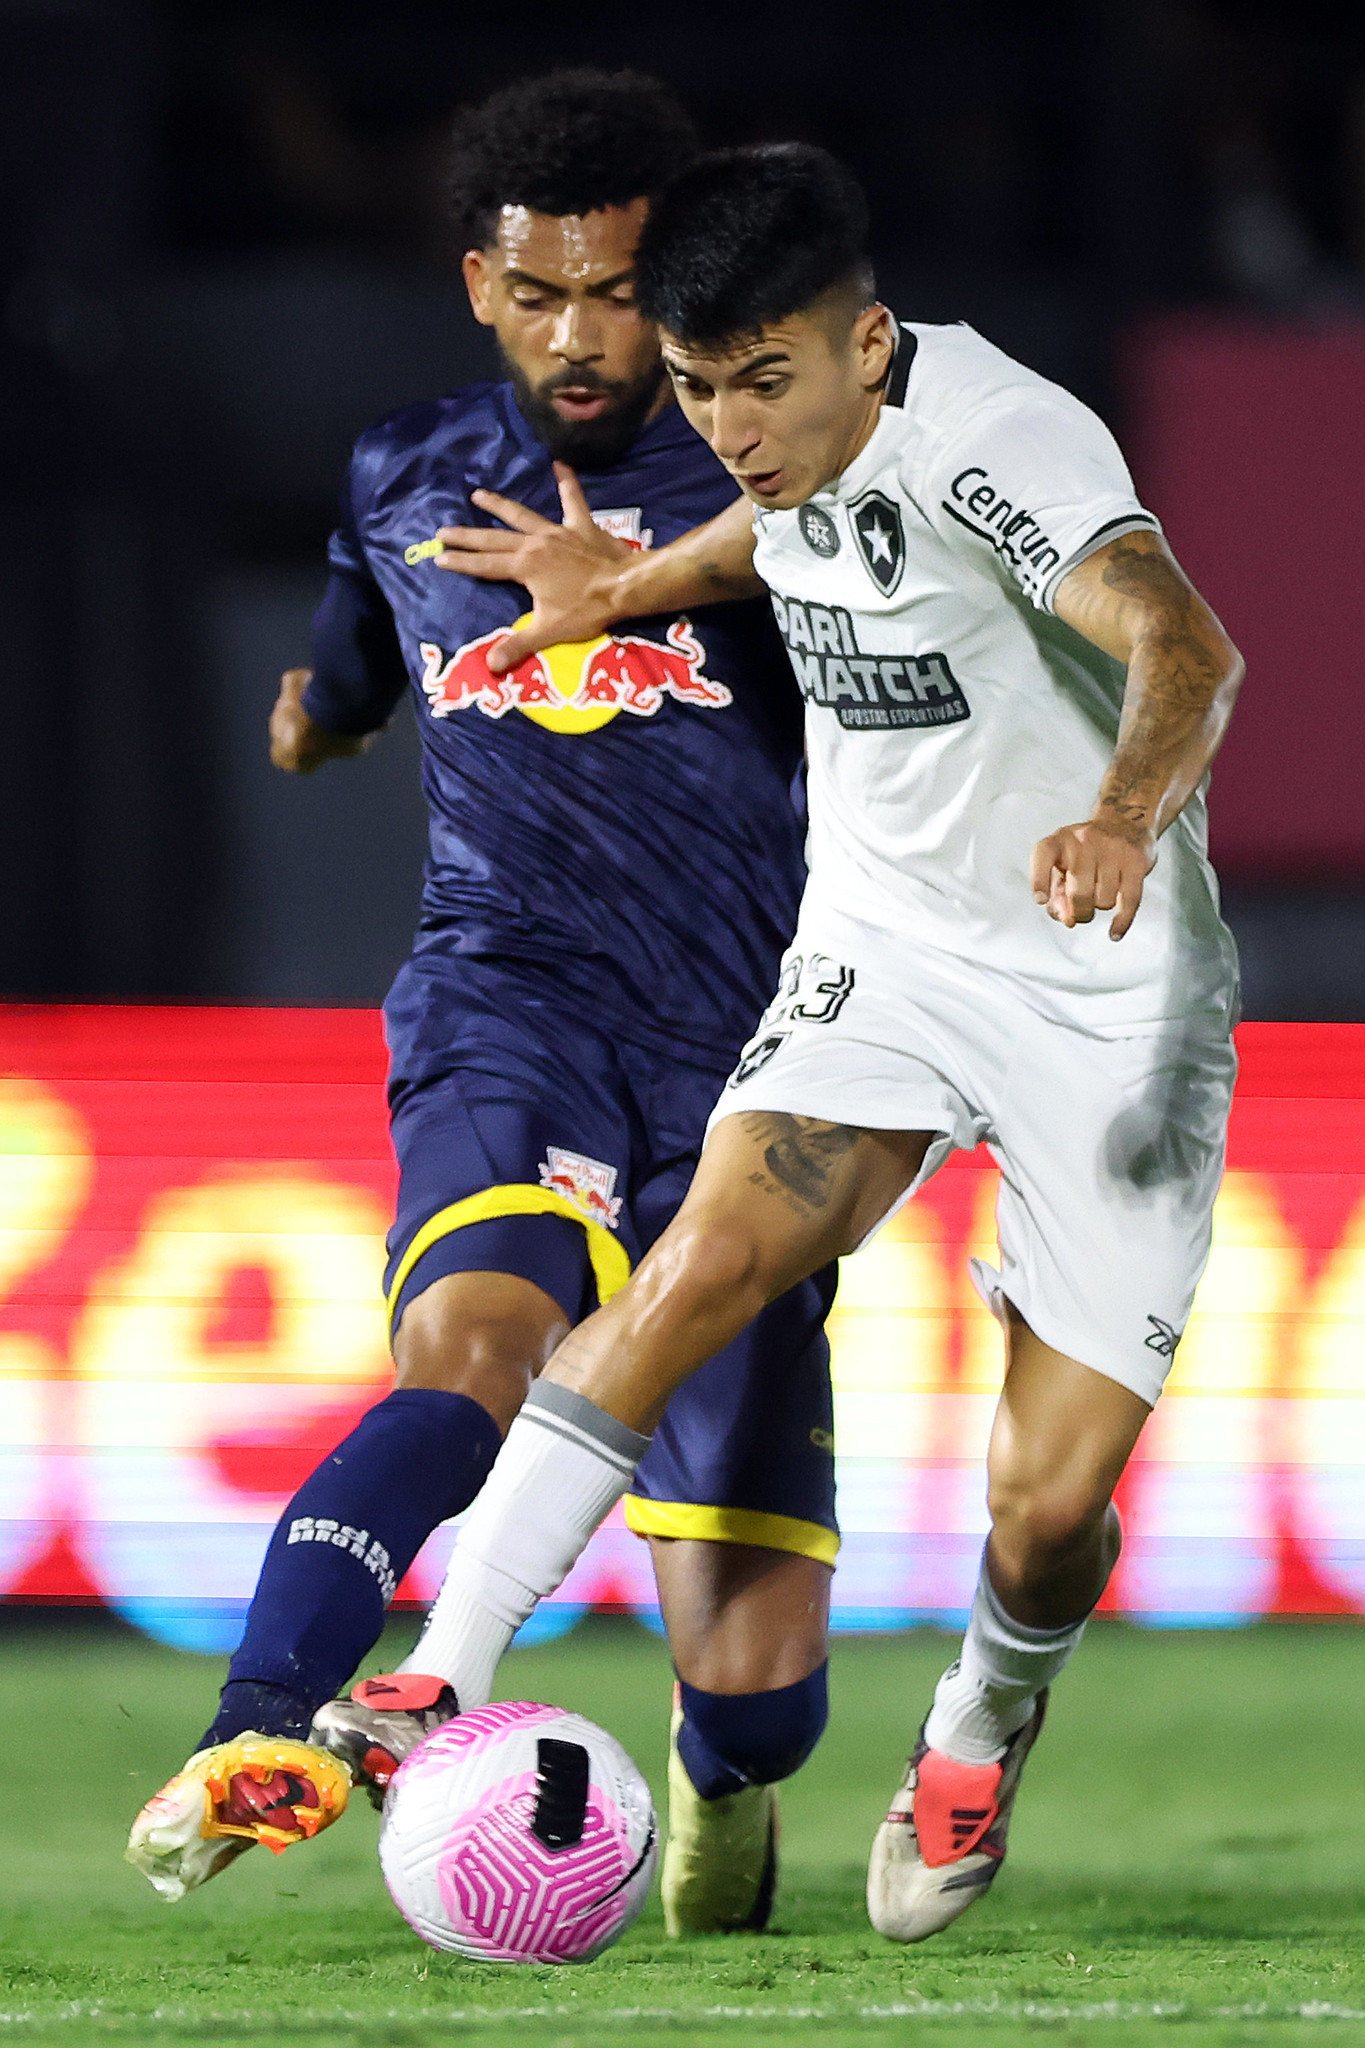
1090, 867
568, 568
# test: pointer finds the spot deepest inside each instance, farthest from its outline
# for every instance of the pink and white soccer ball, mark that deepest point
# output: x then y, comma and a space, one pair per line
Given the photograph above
519, 1834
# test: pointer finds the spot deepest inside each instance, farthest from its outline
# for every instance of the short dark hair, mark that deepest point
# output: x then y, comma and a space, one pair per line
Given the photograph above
568, 142
744, 237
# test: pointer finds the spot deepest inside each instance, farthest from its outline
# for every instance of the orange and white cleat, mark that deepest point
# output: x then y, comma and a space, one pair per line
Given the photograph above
256, 1788
943, 1842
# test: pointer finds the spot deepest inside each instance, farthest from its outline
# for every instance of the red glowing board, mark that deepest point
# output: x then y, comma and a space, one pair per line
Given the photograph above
192, 1211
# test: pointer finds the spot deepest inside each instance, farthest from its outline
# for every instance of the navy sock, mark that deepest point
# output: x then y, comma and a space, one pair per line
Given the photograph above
729, 1740
340, 1549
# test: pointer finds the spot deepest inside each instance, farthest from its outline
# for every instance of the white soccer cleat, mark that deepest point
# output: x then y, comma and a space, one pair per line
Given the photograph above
720, 1861
943, 1842
381, 1723
256, 1788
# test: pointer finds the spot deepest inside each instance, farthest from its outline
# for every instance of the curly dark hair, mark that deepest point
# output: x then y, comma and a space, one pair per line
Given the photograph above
748, 236
569, 142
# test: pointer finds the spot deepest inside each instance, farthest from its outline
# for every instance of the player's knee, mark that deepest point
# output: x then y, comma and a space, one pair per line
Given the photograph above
463, 1335
710, 1258
1036, 1527
728, 1740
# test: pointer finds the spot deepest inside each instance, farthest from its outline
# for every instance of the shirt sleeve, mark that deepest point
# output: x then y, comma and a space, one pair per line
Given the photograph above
1031, 486
359, 673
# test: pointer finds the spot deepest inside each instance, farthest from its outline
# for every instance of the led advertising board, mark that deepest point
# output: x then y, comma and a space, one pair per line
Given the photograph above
192, 1212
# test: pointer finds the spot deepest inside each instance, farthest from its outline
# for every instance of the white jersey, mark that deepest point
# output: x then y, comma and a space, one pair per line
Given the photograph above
952, 720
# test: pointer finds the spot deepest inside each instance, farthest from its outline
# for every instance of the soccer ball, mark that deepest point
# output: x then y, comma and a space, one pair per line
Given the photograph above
519, 1834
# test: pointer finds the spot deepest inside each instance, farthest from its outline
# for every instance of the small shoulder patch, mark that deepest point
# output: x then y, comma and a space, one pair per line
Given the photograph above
818, 531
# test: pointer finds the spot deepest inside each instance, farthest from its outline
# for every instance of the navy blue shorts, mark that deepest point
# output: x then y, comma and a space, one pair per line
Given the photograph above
533, 1142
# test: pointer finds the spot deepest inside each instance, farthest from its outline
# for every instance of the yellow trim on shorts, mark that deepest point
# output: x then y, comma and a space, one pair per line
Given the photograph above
731, 1525
610, 1259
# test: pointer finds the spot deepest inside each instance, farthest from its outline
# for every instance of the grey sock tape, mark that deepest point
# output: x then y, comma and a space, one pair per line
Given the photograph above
567, 1406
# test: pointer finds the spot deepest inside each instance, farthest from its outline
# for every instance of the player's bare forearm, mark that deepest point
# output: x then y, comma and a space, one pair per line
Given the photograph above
710, 565
581, 580
1133, 600
1183, 677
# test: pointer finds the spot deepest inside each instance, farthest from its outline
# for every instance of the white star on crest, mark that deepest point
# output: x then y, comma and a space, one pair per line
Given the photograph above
878, 540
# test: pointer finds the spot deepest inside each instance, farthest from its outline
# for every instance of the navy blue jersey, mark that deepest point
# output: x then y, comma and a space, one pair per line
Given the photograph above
623, 817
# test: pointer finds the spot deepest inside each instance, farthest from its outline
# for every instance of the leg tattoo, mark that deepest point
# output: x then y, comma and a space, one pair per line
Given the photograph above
799, 1153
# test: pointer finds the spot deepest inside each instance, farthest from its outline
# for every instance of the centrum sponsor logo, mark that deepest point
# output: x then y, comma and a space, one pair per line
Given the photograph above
866, 692
576, 687
590, 1184
1013, 533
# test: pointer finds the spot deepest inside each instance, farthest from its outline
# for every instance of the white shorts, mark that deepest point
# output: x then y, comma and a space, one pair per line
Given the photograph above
1110, 1148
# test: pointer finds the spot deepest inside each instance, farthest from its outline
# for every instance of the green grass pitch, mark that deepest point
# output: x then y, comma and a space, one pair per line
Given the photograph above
1187, 1864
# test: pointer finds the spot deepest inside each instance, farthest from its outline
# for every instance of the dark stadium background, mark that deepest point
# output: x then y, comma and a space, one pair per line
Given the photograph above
223, 251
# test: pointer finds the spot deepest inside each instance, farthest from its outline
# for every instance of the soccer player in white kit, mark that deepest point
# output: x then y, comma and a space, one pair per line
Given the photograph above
992, 637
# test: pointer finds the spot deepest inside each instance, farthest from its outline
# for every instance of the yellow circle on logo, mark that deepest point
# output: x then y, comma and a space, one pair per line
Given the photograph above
568, 667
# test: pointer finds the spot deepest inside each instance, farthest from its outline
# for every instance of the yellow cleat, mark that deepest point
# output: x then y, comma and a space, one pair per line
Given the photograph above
256, 1788
720, 1861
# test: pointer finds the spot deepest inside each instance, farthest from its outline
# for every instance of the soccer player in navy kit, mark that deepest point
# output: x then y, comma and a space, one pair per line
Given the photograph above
615, 865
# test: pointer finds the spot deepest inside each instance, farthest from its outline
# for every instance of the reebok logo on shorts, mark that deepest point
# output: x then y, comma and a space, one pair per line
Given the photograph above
866, 692
1163, 1339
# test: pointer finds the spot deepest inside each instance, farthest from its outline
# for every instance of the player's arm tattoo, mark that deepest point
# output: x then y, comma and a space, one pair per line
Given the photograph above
722, 584
1174, 679
1183, 675
799, 1152
718, 558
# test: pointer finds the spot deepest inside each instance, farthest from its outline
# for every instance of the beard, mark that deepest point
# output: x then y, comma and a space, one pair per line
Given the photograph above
586, 444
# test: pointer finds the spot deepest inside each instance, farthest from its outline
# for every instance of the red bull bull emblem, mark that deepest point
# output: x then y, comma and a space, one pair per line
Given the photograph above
576, 687
587, 1183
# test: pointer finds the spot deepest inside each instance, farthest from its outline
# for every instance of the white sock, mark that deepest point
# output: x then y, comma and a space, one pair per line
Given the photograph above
989, 1693
564, 1466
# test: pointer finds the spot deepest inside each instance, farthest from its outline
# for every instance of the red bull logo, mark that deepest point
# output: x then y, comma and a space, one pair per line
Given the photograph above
576, 687
588, 1183
625, 522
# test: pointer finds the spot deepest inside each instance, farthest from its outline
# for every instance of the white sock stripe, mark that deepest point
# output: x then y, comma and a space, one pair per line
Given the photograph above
1040, 1639
1005, 1656
548, 1397
550, 1486
582, 1441
983, 1699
